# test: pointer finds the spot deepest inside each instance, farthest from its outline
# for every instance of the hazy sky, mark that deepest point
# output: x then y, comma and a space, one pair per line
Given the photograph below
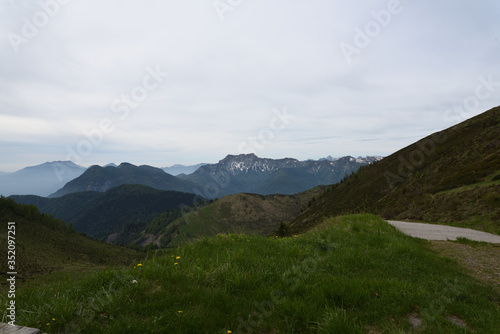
162, 82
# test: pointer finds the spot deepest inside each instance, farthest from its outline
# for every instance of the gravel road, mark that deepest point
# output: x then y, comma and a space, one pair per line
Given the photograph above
442, 232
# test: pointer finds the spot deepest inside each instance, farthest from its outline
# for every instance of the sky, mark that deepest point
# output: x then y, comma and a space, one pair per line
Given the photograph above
161, 82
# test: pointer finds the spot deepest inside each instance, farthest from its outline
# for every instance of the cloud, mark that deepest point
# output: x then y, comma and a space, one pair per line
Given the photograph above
227, 76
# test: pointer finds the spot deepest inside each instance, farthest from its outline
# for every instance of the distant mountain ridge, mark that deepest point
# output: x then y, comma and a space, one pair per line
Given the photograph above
247, 173
41, 180
101, 179
367, 159
247, 163
178, 169
250, 163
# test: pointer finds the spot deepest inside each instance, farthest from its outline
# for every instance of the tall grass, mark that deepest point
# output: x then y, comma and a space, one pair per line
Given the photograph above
354, 275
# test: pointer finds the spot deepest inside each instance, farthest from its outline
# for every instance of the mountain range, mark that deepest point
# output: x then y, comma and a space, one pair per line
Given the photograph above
233, 174
245, 173
250, 174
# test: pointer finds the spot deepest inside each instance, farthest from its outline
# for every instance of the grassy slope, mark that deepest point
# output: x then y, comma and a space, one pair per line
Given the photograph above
449, 177
44, 247
356, 274
241, 213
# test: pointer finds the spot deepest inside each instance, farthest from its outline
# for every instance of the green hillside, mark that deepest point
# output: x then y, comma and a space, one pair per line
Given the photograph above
356, 274
452, 177
239, 213
45, 244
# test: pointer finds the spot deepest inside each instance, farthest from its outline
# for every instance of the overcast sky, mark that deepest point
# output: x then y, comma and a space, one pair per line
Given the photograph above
163, 82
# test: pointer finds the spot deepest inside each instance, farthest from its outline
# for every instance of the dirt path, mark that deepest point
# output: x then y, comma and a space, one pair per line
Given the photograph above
442, 232
481, 261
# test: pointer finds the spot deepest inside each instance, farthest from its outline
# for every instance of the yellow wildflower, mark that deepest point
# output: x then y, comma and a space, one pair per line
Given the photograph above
178, 257
175, 263
139, 265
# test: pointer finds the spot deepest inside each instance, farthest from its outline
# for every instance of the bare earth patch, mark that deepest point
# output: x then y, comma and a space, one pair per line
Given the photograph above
482, 261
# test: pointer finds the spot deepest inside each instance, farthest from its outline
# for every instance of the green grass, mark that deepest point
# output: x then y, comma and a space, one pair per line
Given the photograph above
486, 183
473, 243
352, 274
